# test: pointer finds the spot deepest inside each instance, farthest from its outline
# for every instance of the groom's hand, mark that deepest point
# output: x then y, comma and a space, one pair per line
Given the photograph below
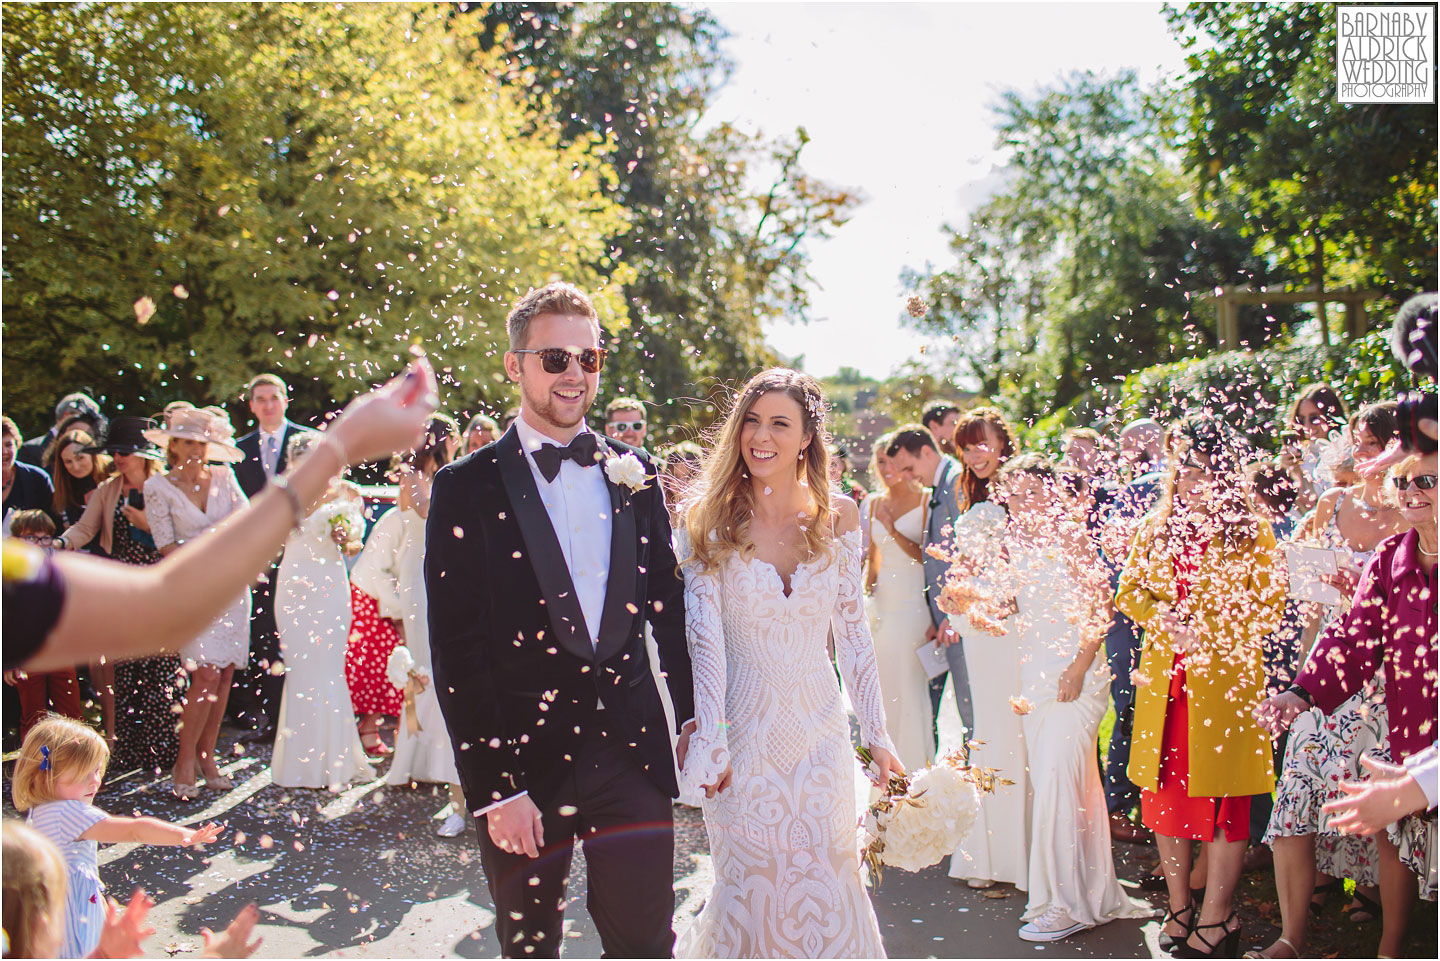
682, 746
515, 827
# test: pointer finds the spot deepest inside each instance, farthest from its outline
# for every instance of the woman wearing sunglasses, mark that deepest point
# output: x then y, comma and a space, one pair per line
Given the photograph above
1391, 624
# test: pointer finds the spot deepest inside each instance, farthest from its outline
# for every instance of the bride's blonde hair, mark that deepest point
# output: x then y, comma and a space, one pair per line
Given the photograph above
721, 502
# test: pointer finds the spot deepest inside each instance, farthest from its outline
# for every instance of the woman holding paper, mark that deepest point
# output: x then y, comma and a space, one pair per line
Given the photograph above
1311, 859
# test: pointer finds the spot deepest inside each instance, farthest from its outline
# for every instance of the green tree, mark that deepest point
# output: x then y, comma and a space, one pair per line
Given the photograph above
298, 188
1334, 193
713, 256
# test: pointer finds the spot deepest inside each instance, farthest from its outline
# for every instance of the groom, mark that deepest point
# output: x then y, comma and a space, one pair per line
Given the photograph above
547, 551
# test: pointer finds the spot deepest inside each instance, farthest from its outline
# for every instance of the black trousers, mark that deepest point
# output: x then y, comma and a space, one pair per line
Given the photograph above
623, 822
256, 692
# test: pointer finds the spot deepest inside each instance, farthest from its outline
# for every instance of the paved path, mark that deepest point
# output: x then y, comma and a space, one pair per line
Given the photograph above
362, 874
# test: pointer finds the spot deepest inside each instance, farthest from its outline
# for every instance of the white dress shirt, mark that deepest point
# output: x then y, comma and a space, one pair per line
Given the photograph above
578, 502
266, 439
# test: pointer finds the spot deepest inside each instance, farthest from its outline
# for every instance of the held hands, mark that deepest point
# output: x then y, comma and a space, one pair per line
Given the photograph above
234, 941
945, 635
1371, 806
1276, 712
721, 783
682, 746
516, 828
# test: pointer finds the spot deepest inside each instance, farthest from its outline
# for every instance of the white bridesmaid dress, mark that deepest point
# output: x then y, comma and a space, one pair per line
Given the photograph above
1072, 870
316, 744
898, 620
998, 845
428, 755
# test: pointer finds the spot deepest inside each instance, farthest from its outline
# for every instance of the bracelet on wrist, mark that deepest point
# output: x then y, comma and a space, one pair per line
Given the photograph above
337, 446
281, 482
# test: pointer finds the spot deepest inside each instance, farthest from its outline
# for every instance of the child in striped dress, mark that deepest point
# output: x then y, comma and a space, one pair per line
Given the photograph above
59, 771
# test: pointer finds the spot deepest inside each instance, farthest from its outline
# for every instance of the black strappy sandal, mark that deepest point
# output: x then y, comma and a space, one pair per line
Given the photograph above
1227, 947
1333, 886
1169, 943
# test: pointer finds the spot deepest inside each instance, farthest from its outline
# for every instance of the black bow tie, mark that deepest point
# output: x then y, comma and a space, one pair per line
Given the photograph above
583, 450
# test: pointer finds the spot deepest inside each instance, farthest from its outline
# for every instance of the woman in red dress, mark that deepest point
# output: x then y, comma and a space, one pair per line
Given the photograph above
374, 634
1200, 580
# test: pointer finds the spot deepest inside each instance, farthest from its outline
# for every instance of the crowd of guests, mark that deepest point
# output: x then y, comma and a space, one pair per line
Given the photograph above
1262, 627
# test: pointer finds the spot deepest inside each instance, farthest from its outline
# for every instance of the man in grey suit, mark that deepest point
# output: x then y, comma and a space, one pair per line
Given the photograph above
915, 453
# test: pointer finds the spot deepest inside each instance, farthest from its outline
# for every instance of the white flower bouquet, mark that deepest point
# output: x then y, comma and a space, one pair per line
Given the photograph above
922, 816
402, 671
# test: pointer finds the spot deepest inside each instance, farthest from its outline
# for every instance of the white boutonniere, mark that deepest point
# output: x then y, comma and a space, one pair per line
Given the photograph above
626, 469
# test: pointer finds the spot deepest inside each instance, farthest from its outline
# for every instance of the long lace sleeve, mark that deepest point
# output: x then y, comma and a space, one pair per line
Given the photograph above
709, 752
157, 512
855, 649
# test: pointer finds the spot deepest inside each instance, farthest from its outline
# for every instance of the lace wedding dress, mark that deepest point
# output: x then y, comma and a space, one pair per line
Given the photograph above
782, 836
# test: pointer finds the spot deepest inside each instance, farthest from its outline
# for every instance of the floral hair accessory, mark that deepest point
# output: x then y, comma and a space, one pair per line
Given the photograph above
44, 758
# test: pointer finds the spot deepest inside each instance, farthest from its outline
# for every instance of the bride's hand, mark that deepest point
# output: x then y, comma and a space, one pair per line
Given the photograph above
721, 783
885, 766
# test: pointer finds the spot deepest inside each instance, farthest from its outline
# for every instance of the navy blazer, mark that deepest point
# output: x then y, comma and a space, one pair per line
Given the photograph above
250, 472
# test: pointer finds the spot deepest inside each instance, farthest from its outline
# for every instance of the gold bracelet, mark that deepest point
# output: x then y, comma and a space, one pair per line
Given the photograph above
283, 483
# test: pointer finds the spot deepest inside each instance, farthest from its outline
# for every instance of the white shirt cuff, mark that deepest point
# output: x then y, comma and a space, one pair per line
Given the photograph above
490, 807
1425, 769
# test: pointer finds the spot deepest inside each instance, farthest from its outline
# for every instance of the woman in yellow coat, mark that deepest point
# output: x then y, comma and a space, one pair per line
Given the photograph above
1200, 581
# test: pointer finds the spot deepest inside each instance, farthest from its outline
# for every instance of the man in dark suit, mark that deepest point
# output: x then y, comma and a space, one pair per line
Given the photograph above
255, 698
547, 552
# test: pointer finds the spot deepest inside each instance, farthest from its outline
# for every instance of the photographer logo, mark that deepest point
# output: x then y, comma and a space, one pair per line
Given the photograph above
1385, 54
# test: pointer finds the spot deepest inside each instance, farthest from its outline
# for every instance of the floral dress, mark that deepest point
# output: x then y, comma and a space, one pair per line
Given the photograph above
148, 689
1325, 750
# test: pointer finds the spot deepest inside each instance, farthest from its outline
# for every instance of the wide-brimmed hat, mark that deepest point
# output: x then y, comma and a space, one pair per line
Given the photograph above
194, 423
126, 435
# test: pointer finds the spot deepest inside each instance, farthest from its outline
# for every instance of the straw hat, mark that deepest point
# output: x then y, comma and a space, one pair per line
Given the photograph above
194, 423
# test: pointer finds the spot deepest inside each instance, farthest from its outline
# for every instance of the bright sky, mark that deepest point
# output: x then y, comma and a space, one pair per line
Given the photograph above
896, 98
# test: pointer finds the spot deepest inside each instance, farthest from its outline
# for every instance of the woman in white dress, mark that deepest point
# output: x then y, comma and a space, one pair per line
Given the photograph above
180, 505
425, 754
1062, 598
776, 565
895, 591
997, 849
316, 742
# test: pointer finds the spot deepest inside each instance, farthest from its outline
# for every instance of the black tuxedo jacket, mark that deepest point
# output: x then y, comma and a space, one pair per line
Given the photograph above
515, 670
250, 472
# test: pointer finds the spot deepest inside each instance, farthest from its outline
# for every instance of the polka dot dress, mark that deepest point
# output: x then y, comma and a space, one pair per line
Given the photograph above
372, 638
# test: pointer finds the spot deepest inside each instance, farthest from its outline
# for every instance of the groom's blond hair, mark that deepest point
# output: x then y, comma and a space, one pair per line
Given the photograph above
565, 300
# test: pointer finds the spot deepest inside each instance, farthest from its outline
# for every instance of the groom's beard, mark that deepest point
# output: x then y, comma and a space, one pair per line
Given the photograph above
543, 405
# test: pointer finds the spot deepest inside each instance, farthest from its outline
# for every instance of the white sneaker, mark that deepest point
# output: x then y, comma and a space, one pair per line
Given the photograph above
1053, 925
453, 825
979, 884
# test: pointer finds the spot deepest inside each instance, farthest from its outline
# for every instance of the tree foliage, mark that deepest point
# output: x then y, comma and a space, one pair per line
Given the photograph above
298, 188
1333, 193
713, 256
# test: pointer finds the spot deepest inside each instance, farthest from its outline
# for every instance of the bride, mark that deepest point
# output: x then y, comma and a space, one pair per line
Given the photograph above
776, 565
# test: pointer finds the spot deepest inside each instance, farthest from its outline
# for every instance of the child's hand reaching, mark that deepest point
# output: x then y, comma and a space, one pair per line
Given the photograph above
124, 931
203, 835
234, 941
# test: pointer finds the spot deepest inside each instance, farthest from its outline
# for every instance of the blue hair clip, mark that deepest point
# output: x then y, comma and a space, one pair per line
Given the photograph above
44, 758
